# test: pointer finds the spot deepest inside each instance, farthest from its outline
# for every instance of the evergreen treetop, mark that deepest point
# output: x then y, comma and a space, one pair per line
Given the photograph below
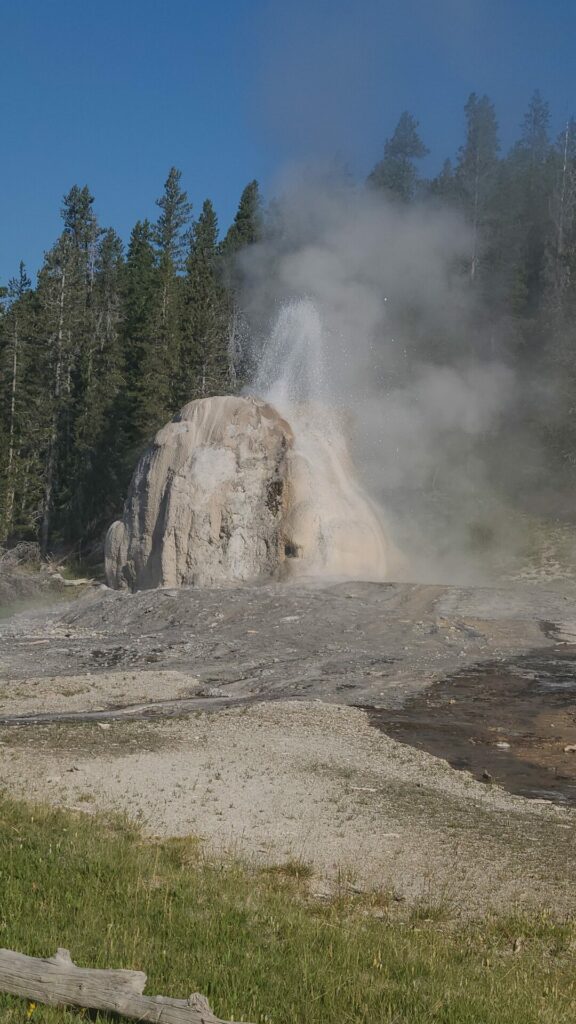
247, 225
396, 172
169, 232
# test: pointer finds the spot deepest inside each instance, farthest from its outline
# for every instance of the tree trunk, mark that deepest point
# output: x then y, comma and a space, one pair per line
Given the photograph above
58, 982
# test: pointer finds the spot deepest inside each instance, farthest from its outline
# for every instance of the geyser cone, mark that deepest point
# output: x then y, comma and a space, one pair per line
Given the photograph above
205, 502
229, 492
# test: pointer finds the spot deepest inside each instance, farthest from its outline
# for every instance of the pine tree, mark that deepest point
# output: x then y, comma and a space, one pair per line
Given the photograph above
534, 141
140, 300
204, 368
56, 359
396, 173
563, 211
160, 367
83, 235
559, 302
172, 221
523, 224
14, 356
443, 188
477, 167
81, 226
65, 341
246, 228
96, 449
101, 370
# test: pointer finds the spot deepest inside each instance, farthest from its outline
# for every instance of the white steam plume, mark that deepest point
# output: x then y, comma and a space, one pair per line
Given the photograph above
418, 385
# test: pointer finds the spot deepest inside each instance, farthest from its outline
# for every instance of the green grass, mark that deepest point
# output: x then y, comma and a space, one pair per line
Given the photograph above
257, 942
292, 868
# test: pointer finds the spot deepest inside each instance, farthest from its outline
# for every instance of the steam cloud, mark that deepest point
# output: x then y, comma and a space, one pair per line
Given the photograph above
403, 363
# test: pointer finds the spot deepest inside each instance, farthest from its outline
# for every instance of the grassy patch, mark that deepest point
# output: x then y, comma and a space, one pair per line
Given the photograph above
258, 945
294, 868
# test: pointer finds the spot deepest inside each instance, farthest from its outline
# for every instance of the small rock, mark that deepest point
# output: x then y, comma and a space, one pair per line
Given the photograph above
211, 691
502, 745
570, 749
103, 725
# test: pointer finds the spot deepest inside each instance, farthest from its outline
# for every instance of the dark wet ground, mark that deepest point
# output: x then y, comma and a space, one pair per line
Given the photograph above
507, 722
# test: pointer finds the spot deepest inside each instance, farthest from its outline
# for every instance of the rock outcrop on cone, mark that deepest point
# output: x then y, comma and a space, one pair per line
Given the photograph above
205, 501
227, 492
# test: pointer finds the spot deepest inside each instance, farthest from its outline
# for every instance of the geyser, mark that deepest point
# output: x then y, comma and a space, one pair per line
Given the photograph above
241, 488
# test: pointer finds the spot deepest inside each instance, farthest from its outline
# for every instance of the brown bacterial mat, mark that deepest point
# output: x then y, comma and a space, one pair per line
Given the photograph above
506, 722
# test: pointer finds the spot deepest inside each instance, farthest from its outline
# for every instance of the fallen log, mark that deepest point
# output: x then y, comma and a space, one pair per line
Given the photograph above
57, 981
74, 582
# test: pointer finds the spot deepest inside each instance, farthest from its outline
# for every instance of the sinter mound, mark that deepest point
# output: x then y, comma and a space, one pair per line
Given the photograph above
229, 492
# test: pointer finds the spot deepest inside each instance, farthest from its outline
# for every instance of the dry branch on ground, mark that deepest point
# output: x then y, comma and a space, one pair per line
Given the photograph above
57, 981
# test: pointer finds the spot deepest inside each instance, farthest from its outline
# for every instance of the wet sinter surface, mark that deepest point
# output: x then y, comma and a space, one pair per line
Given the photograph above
512, 723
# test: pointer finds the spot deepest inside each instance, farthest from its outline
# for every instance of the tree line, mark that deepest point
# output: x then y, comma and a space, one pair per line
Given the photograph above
521, 206
520, 271
110, 343
105, 349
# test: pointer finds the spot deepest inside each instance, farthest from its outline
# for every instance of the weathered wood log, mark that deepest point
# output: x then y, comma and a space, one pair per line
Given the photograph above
57, 981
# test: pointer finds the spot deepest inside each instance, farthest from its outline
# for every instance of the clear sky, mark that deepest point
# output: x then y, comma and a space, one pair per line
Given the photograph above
111, 93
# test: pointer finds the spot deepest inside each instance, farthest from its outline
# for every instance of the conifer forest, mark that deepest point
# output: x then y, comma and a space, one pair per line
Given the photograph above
115, 336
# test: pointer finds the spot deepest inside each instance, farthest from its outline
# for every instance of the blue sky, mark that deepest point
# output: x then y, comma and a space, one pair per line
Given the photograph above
111, 94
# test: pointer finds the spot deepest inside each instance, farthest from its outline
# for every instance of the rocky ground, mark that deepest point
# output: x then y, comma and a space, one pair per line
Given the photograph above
236, 714
347, 643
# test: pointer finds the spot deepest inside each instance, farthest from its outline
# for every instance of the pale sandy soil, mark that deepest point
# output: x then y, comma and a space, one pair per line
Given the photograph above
91, 692
309, 781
